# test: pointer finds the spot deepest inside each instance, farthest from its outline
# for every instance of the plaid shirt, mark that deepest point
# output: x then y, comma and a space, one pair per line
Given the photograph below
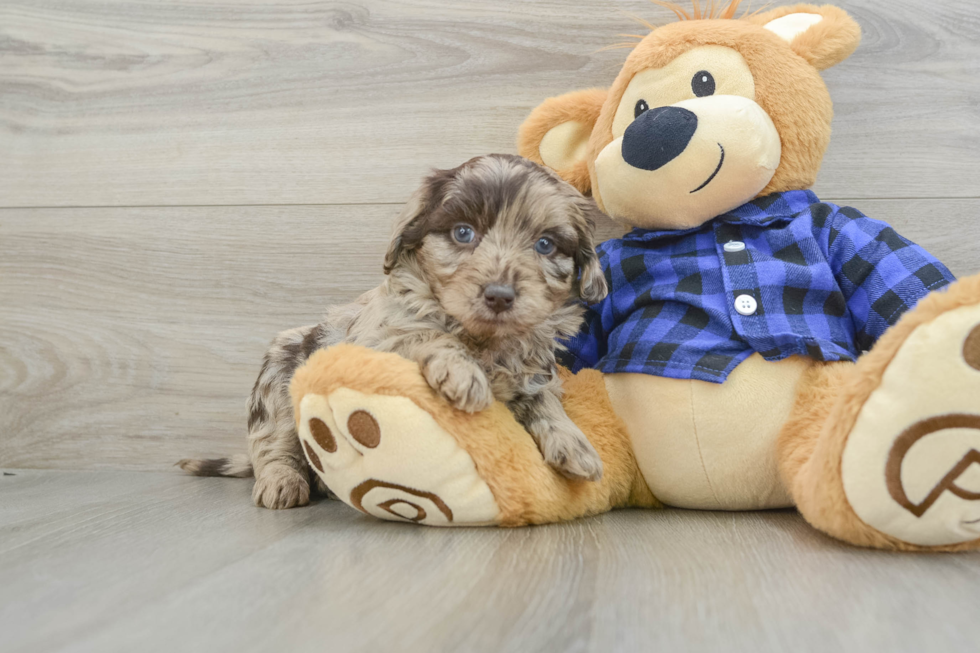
826, 280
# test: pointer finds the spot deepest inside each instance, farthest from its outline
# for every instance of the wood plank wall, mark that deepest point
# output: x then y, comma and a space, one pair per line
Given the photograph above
179, 180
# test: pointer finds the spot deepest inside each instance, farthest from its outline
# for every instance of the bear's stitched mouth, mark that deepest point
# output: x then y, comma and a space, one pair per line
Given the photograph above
713, 174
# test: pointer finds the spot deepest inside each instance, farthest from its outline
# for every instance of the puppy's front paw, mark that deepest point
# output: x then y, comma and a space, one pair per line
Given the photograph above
566, 448
280, 487
460, 380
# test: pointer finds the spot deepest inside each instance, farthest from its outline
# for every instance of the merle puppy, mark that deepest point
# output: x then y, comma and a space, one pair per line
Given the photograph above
485, 270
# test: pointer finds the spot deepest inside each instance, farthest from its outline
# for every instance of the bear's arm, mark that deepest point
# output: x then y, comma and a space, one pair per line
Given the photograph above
881, 273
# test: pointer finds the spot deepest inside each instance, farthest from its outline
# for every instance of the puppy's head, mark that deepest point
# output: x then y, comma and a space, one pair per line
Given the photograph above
502, 242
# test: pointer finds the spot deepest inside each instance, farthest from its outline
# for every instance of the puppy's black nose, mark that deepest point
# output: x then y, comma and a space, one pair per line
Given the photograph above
658, 136
498, 297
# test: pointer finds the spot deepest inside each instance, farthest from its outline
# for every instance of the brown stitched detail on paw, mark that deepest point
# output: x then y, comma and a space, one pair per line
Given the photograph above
971, 348
420, 511
314, 459
322, 435
358, 493
364, 428
904, 442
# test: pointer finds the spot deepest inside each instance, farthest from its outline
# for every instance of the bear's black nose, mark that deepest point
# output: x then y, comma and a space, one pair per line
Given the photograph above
658, 136
498, 297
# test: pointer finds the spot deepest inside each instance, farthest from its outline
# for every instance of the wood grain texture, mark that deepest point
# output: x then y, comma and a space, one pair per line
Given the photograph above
118, 561
147, 325
164, 102
130, 338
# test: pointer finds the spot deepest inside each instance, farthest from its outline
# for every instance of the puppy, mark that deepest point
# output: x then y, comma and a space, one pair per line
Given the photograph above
485, 270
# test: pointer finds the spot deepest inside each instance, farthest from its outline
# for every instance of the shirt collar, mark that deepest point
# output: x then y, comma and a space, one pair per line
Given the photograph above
758, 212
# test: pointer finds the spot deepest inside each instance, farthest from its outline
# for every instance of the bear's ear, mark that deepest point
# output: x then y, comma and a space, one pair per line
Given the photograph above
557, 132
824, 36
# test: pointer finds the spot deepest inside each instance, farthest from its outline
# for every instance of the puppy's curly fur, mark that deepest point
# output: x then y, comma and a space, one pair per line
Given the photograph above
484, 272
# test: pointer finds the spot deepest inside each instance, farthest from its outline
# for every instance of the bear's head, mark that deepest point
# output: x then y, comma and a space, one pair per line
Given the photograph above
706, 114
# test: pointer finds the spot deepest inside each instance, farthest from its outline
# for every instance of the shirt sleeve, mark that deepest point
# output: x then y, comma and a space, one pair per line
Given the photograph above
881, 274
588, 346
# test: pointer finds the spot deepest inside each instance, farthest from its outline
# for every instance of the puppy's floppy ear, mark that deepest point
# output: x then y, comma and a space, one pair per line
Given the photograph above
409, 228
414, 210
592, 287
824, 36
557, 132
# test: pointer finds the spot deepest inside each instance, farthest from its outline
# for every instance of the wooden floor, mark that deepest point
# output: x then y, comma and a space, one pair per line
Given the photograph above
181, 179
124, 561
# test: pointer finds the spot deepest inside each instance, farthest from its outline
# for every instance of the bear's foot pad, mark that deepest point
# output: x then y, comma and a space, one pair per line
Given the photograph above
388, 458
911, 464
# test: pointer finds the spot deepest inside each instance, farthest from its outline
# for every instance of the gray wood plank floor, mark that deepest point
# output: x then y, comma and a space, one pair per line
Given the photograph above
160, 562
130, 337
196, 176
172, 102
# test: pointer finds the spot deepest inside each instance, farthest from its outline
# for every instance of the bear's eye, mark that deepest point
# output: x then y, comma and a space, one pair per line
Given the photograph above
703, 84
464, 234
641, 107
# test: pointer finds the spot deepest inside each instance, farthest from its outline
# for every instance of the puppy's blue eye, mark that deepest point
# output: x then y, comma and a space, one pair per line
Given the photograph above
544, 246
464, 234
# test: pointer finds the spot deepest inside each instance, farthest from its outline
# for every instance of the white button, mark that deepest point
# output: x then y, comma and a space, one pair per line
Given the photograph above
734, 246
745, 304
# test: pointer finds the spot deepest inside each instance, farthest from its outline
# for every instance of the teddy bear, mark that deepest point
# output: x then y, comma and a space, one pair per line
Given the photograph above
758, 348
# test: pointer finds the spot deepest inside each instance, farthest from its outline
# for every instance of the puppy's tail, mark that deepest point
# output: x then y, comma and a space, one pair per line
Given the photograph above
237, 466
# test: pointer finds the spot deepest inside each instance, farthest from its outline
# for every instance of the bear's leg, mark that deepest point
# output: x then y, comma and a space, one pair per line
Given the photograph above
885, 453
389, 446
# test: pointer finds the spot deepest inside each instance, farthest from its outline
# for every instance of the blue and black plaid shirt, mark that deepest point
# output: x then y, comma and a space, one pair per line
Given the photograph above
826, 282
